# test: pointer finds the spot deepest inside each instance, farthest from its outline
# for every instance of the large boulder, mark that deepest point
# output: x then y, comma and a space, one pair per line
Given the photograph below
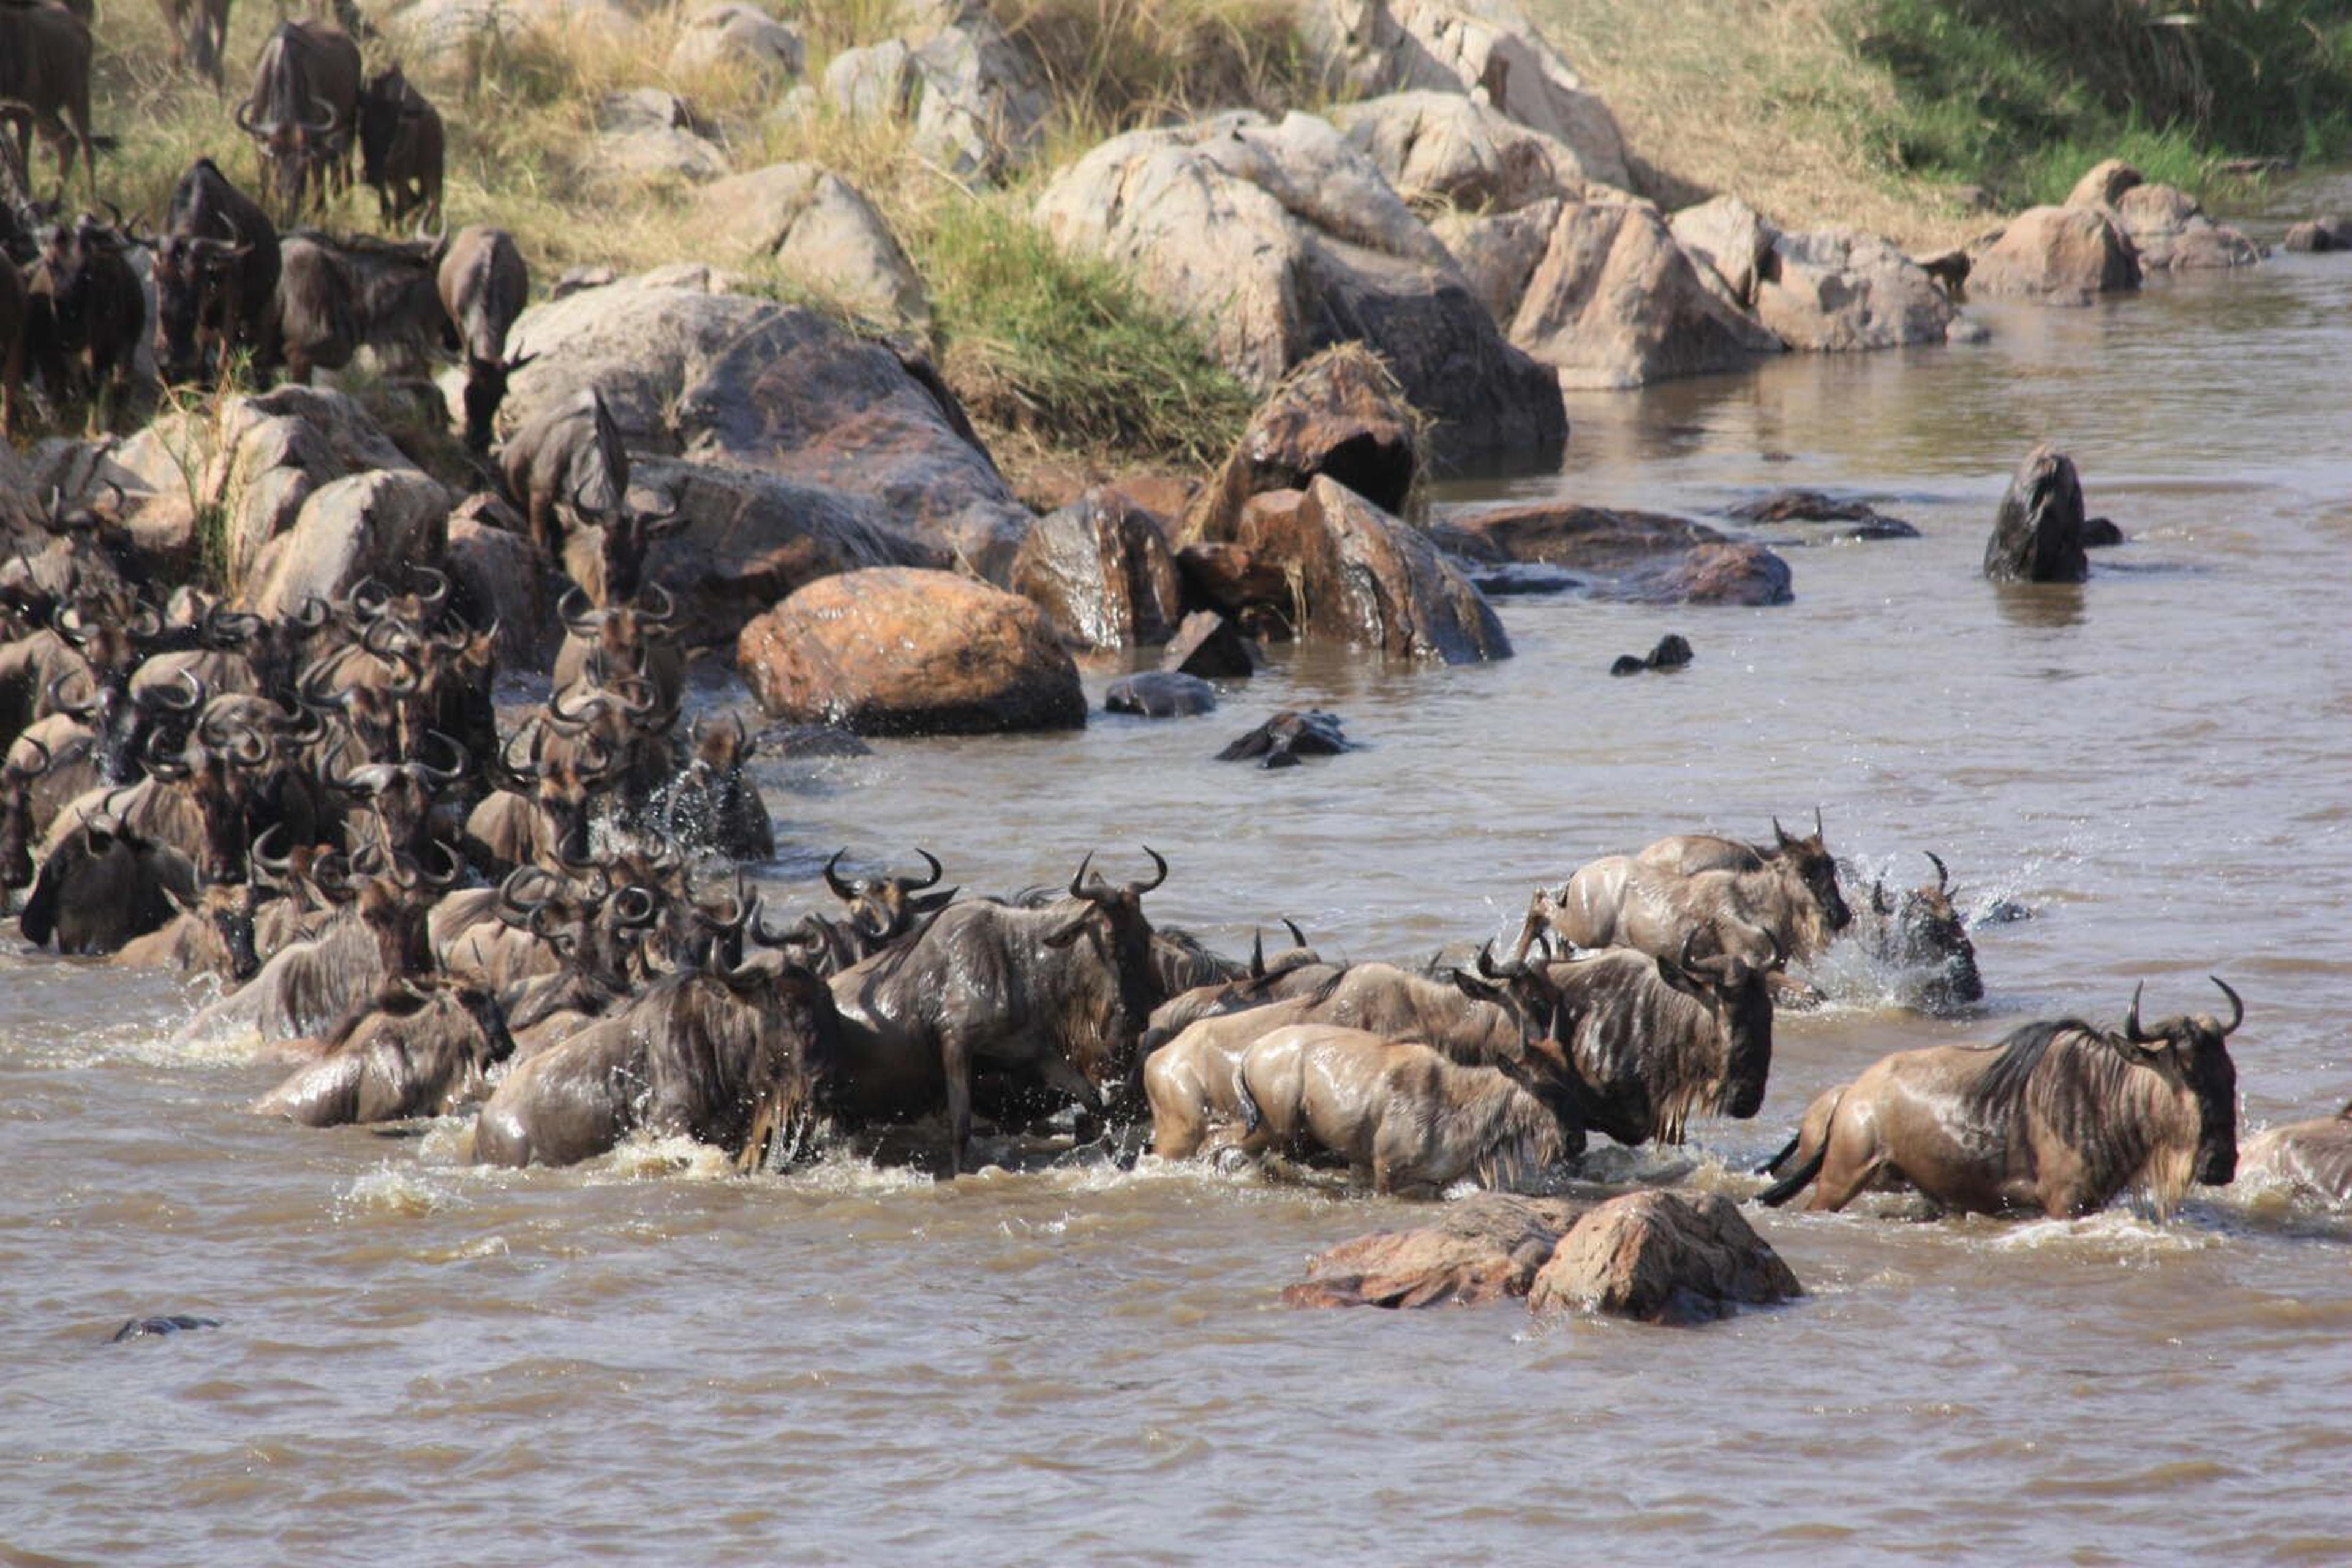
873, 82
1739, 572
1101, 569
1341, 414
651, 135
1486, 1247
897, 652
729, 33
2172, 234
820, 231
747, 383
1488, 49
1661, 1258
1724, 235
1839, 289
1277, 240
2105, 185
499, 578
374, 525
1350, 572
1616, 303
983, 101
1442, 147
2059, 256
1499, 251
2037, 535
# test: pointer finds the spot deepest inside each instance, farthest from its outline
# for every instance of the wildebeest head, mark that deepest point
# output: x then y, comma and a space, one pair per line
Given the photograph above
222, 914
884, 908
393, 895
211, 768
401, 794
133, 725
2037, 535
16, 813
1113, 921
622, 637
626, 535
2192, 1052
486, 393
1814, 865
192, 274
1925, 931
1739, 993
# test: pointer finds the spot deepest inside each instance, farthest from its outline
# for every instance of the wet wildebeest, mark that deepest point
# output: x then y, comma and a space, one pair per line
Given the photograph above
1059, 994
714, 804
883, 913
1402, 1116
335, 296
1619, 901
2037, 535
103, 884
2316, 1154
27, 761
1923, 938
213, 935
484, 287
303, 113
215, 277
45, 53
2059, 1117
570, 455
400, 148
87, 310
633, 637
725, 1054
1799, 898
199, 31
422, 1051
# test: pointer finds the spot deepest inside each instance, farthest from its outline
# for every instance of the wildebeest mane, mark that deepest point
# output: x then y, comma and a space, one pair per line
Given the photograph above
2001, 1087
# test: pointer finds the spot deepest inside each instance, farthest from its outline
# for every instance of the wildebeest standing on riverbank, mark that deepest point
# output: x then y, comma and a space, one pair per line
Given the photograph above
44, 52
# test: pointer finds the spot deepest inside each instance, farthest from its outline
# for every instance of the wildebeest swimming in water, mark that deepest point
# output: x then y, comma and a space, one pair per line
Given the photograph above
1672, 653
1924, 939
1289, 736
2313, 1156
2037, 535
2059, 1117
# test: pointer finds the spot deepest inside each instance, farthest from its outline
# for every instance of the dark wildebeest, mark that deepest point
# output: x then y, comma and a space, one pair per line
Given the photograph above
45, 53
421, 1051
88, 309
199, 31
484, 287
714, 805
1924, 940
2315, 1156
103, 884
215, 276
213, 935
726, 1056
17, 777
2059, 1117
335, 296
303, 113
400, 148
2037, 535
632, 636
1060, 993
569, 455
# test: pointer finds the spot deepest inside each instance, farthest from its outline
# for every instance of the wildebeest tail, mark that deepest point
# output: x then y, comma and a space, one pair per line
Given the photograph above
1252, 1117
1781, 1159
1796, 1180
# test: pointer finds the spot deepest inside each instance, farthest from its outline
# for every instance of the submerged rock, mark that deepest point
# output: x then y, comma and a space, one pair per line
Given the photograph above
1854, 519
1486, 1247
1283, 740
1661, 1257
2172, 234
2060, 256
1161, 694
2319, 234
2037, 535
1672, 653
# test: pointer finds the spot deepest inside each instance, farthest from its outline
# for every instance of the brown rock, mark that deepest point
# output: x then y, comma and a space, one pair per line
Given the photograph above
1736, 572
900, 651
1583, 539
1498, 252
1211, 646
1726, 234
1839, 289
1484, 1248
2172, 234
1101, 569
1340, 413
1661, 1258
2105, 185
497, 576
2062, 256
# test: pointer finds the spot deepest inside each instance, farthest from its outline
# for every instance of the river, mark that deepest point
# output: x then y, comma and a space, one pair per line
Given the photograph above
648, 1360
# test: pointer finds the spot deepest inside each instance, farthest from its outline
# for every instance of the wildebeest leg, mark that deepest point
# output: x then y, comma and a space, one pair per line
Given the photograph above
12, 376
955, 1065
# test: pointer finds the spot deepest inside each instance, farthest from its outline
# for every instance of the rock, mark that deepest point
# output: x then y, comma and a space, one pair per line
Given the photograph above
1289, 736
1590, 541
1497, 252
1340, 414
1660, 1257
752, 383
729, 33
899, 651
1726, 234
1356, 574
983, 102
1483, 47
1739, 572
1616, 303
1671, 653
2308, 237
2060, 256
2105, 185
2172, 234
752, 539
496, 576
578, 279
1854, 520
1444, 148
649, 134
1277, 240
370, 524
1210, 646
872, 82
1161, 694
2037, 535
1102, 571
1837, 289
2101, 533
821, 231
1948, 268
1485, 1247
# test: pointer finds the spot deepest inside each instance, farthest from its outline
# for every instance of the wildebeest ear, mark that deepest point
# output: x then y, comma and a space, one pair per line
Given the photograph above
1070, 931
1477, 989
185, 905
2144, 1055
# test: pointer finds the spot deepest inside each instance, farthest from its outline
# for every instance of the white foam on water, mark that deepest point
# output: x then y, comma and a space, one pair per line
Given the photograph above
407, 1191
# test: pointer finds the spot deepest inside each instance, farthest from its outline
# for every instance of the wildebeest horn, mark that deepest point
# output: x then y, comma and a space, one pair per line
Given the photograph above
661, 616
67, 622
47, 757
160, 762
1485, 968
635, 906
278, 866
436, 592
587, 712
251, 749
841, 889
454, 771
326, 122
2237, 1007
573, 609
1158, 876
1781, 834
187, 682
1297, 937
243, 115
448, 878
1078, 878
929, 860
1943, 878
1818, 831
2131, 1020
1257, 954
368, 598
85, 709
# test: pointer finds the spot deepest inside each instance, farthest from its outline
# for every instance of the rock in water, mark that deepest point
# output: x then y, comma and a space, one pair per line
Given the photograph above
1101, 569
1211, 646
2037, 535
1860, 520
902, 651
1672, 653
1660, 1257
1161, 694
1340, 414
156, 1327
2061, 256
1289, 736
1486, 1247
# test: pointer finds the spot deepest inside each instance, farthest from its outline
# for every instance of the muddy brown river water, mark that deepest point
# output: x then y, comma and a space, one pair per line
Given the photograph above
644, 1360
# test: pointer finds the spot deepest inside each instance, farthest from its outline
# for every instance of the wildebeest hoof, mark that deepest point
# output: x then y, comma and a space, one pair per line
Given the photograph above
1673, 652
1281, 741
1161, 694
147, 1328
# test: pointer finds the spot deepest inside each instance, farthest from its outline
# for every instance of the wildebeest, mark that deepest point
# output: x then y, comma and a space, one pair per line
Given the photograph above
213, 935
303, 111
2059, 1117
2315, 1156
714, 804
569, 455
335, 296
103, 884
2037, 535
1060, 993
1402, 1116
424, 1051
400, 148
726, 1055
215, 276
199, 30
1789, 886
1619, 901
88, 311
484, 287
44, 52
1923, 938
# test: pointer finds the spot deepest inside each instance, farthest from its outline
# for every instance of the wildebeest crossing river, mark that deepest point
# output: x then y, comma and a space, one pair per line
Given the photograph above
645, 1357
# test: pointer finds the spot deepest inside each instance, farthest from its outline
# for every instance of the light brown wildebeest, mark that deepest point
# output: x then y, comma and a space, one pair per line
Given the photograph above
2315, 1156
